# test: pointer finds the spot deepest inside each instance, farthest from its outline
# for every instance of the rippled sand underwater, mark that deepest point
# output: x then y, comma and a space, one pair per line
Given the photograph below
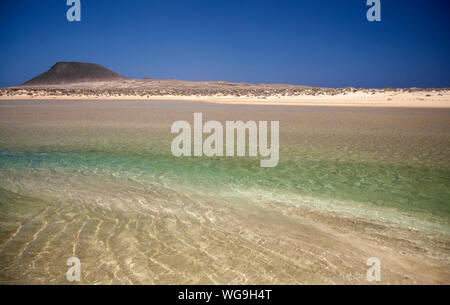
96, 180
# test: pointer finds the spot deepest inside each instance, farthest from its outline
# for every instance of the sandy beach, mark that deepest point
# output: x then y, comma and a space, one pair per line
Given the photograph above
232, 93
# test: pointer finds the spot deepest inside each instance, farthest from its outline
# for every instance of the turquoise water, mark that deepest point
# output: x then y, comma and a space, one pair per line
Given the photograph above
405, 188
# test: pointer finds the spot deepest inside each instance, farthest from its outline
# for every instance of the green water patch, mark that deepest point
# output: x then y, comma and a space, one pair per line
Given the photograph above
408, 189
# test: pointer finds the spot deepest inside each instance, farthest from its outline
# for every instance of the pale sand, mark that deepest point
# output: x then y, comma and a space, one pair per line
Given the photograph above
368, 97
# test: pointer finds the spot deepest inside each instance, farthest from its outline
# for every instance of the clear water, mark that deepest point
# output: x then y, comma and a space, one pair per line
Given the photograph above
96, 180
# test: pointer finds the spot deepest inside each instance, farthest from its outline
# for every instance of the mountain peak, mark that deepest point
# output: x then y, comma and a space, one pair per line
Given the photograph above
74, 72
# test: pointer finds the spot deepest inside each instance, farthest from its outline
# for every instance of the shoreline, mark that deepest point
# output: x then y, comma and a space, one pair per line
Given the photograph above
421, 99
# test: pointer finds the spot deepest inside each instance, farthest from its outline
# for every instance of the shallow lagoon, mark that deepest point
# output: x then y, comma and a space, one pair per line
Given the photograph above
96, 180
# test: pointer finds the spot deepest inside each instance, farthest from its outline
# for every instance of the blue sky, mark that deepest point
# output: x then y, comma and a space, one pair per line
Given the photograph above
318, 42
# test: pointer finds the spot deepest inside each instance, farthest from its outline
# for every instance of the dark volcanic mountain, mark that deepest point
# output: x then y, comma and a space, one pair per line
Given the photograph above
73, 72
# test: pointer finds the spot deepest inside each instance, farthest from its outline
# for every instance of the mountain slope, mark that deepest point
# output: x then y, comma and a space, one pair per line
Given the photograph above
74, 72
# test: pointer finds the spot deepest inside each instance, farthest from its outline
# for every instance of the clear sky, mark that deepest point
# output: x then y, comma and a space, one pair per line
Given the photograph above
317, 42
